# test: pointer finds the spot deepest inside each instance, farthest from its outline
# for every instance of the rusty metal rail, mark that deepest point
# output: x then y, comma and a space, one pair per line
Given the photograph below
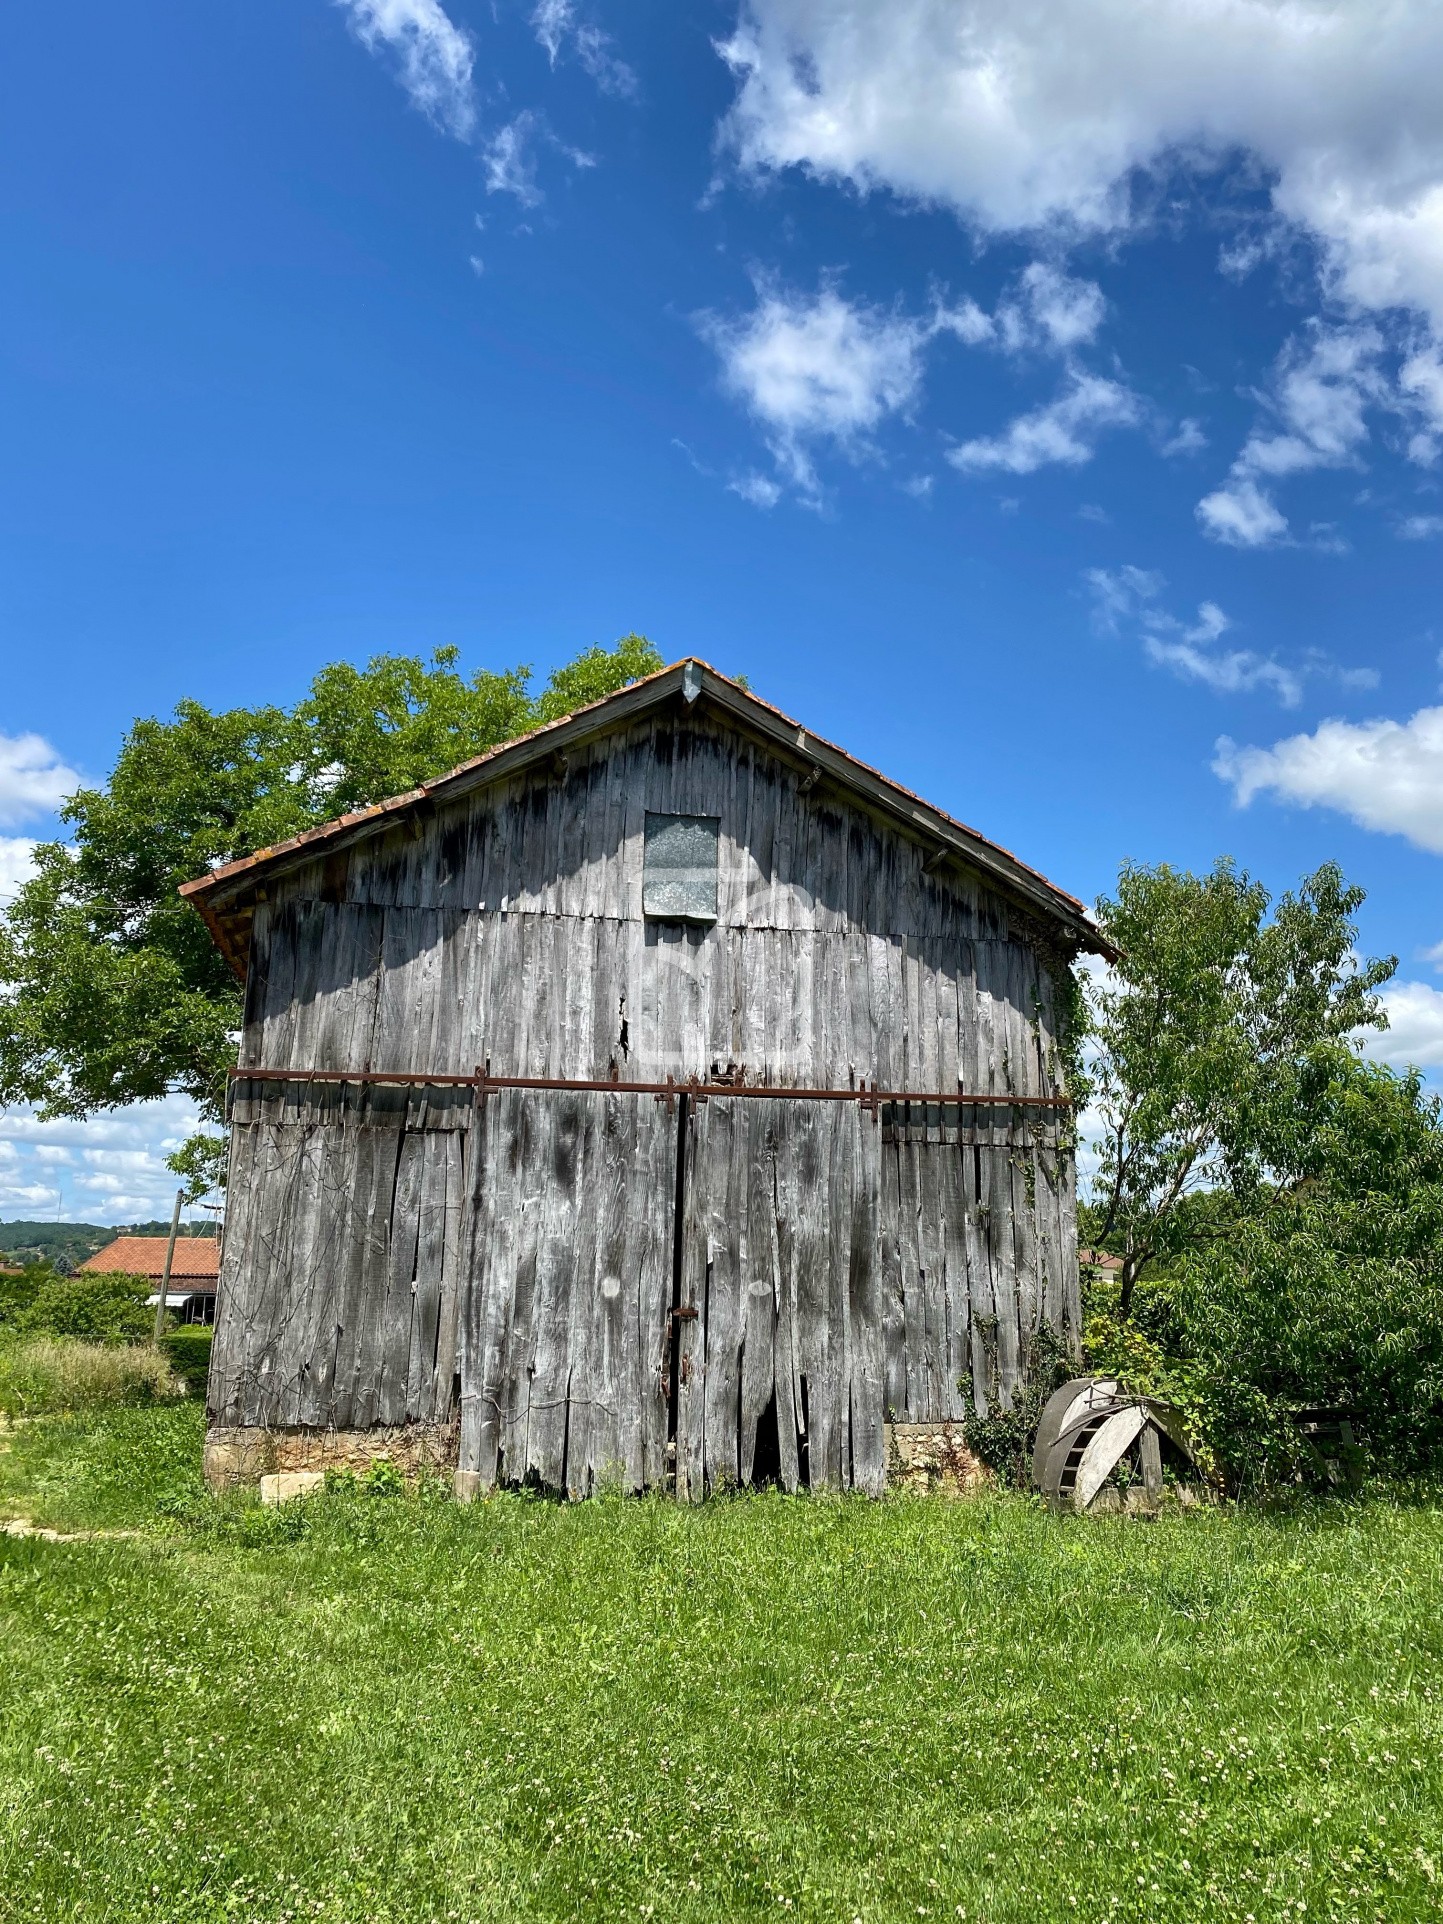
482, 1080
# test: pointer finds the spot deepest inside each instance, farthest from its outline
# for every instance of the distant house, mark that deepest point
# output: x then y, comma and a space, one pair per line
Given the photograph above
1100, 1262
194, 1271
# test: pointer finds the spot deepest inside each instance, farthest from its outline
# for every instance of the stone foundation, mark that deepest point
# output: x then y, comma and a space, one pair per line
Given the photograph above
932, 1457
246, 1455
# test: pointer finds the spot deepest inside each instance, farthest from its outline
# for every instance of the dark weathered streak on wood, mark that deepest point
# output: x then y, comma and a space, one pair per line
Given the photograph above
387, 1244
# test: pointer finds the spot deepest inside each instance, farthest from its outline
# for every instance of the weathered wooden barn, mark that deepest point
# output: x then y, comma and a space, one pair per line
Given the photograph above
663, 1097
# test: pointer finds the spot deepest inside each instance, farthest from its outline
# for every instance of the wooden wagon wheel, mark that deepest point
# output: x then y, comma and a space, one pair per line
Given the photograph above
1084, 1396
1087, 1428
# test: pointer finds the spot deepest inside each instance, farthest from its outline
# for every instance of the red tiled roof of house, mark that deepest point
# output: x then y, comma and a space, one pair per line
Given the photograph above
197, 1258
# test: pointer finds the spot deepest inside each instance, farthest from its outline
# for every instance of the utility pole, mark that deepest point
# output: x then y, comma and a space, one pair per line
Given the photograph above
169, 1259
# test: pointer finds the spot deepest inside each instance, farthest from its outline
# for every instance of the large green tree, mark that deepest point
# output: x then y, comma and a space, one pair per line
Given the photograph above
1202, 1036
1276, 1198
112, 991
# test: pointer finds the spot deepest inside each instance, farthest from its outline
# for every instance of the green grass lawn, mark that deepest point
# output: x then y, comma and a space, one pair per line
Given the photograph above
390, 1708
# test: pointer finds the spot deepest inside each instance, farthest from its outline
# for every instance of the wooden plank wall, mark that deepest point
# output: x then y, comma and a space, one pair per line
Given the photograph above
571, 1281
507, 929
341, 1276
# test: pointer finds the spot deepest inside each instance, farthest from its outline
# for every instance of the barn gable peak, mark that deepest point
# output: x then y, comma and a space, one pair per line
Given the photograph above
226, 895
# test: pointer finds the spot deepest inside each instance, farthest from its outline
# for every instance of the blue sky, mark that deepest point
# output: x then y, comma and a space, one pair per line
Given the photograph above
1044, 402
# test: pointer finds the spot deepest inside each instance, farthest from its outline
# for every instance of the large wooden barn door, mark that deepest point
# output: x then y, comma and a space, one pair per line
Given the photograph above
564, 1326
780, 1345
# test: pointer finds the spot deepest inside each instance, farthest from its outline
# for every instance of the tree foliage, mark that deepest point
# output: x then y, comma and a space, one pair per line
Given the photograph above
1278, 1201
101, 1307
113, 990
1202, 1036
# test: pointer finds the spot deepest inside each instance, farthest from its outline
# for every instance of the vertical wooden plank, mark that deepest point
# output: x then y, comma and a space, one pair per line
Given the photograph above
689, 1390
951, 1158
892, 1295
868, 1374
550, 1365
722, 1256
398, 1309
443, 1395
760, 1285
430, 1266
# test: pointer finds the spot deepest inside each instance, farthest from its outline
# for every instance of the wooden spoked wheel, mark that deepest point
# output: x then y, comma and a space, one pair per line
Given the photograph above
1087, 1430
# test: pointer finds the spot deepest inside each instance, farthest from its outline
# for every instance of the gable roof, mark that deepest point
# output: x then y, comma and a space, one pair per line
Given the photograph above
226, 895
196, 1260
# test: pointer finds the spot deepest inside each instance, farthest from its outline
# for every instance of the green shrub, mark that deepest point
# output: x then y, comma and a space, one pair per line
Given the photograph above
108, 1308
17, 1286
44, 1374
188, 1351
1002, 1440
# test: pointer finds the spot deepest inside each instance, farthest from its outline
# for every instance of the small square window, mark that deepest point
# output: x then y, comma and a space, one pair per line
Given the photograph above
678, 877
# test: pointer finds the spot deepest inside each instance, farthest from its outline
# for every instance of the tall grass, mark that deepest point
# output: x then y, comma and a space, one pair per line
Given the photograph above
42, 1374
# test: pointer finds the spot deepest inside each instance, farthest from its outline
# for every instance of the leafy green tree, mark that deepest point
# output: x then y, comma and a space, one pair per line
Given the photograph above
1202, 1036
1321, 1287
112, 990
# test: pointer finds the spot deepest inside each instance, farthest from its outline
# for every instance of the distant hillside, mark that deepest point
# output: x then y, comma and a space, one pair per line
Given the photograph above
62, 1243
66, 1244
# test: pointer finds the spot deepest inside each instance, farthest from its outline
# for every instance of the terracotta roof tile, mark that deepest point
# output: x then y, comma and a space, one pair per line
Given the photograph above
197, 1258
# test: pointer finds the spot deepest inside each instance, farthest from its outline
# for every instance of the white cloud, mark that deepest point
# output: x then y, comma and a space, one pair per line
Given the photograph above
435, 56
1242, 515
1188, 438
1126, 600
1384, 775
508, 164
1063, 312
1420, 385
1043, 309
557, 23
109, 1167
508, 160
17, 862
1063, 431
33, 779
1420, 527
811, 368
1027, 119
1414, 1035
759, 489
1322, 387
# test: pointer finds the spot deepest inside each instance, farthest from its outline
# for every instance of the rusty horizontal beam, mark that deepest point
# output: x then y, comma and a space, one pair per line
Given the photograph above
482, 1079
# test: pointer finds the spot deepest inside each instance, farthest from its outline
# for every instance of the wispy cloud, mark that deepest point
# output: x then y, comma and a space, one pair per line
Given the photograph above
1127, 600
759, 489
558, 26
509, 158
434, 56
107, 1168
1063, 431
1322, 388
